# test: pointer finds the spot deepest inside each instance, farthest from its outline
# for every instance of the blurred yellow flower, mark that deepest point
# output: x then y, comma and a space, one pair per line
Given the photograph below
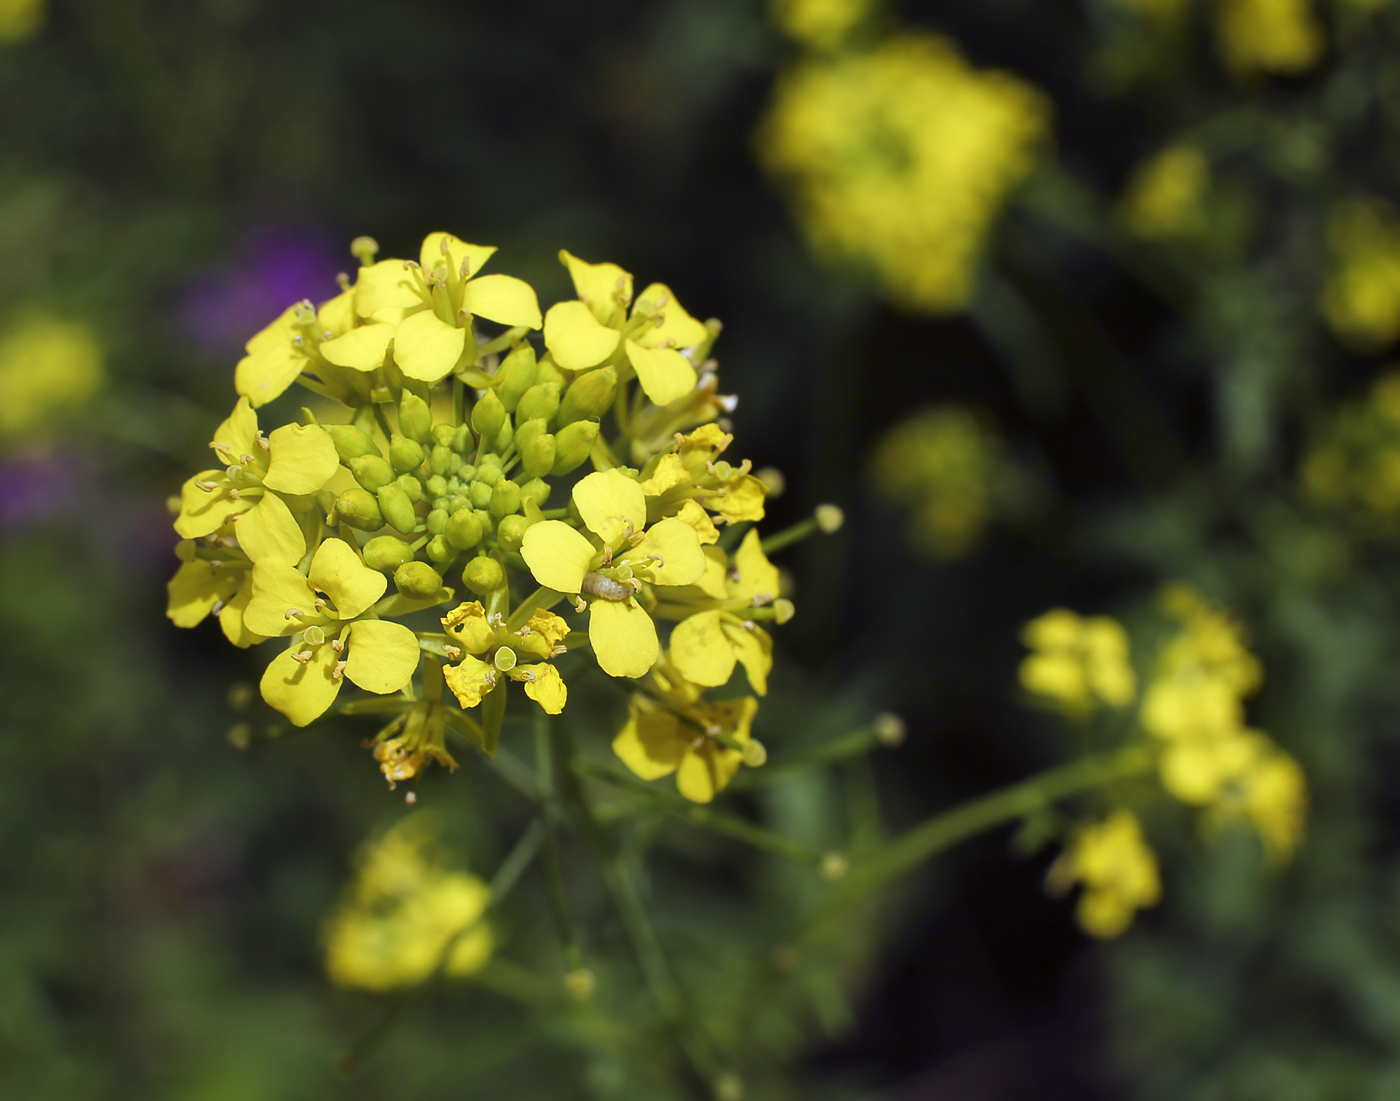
1118, 871
1163, 198
1354, 463
20, 19
1078, 663
820, 24
1361, 295
901, 157
45, 365
405, 915
1255, 37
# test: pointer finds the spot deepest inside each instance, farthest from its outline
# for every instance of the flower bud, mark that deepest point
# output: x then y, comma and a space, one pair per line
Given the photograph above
439, 458
411, 486
505, 499
489, 473
397, 508
541, 402
755, 753
516, 375
504, 437
488, 416
480, 494
351, 442
436, 486
463, 529
415, 418
510, 532
444, 434
537, 490
359, 509
454, 464
572, 445
417, 579
459, 501
463, 442
483, 575
436, 522
371, 472
405, 454
486, 520
440, 550
537, 457
589, 395
384, 552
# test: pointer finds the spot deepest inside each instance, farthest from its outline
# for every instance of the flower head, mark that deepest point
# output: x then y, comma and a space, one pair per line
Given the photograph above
46, 365
1118, 871
1077, 663
492, 654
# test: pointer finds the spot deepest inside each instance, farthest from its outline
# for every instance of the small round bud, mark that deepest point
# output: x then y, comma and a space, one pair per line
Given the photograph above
417, 579
540, 402
454, 486
436, 522
459, 501
890, 729
505, 499
537, 489
537, 458
240, 695
572, 444
363, 249
351, 442
385, 552
504, 437
486, 520
510, 532
830, 518
504, 659
463, 442
529, 431
783, 610
483, 575
480, 494
580, 983
489, 472
360, 509
488, 416
240, 735
463, 529
755, 753
454, 464
439, 458
415, 418
440, 550
834, 866
444, 434
397, 508
411, 486
372, 472
589, 395
405, 454
436, 485
772, 479
516, 375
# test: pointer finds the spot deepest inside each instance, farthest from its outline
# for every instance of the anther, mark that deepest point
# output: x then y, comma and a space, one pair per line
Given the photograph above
342, 281
466, 269
326, 334
303, 657
219, 606
557, 650
338, 670
337, 645
245, 458
607, 554
442, 244
262, 441
215, 564
321, 604
661, 302
221, 447
496, 620
233, 493
657, 559
580, 605
298, 340
750, 625
760, 599
634, 583
293, 613
208, 487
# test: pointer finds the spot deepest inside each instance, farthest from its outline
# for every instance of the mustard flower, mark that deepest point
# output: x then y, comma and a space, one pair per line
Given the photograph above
597, 329
491, 653
671, 728
1361, 294
1078, 663
690, 475
1257, 37
820, 24
1118, 870
609, 566
45, 365
431, 304
214, 578
1163, 198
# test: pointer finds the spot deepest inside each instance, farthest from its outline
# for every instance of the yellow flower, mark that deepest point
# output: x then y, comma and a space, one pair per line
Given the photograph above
1078, 663
405, 916
1268, 36
1163, 198
690, 477
20, 19
1118, 871
1361, 295
45, 365
491, 652
901, 157
820, 24
597, 329
671, 728
216, 579
431, 304
610, 567
330, 641
1355, 462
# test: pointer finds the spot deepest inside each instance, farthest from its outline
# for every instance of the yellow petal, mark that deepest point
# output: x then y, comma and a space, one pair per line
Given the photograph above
503, 299
669, 555
552, 628
361, 349
382, 655
754, 650
467, 624
239, 433
303, 458
707, 771
700, 650
265, 375
231, 618
277, 589
677, 330
336, 315
753, 576
611, 504
557, 555
547, 689
576, 338
301, 692
431, 254
196, 587
387, 292
280, 331
268, 530
651, 744
338, 572
694, 514
470, 680
664, 373
669, 473
743, 499
203, 512
623, 638
597, 285
426, 348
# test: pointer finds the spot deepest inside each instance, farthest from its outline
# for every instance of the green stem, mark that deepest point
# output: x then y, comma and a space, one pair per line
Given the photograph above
856, 744
554, 874
795, 534
383, 422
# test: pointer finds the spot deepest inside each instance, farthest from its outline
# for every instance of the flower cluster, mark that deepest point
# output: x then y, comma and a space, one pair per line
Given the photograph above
1163, 197
46, 366
1256, 37
435, 452
1190, 727
1361, 295
1354, 463
899, 156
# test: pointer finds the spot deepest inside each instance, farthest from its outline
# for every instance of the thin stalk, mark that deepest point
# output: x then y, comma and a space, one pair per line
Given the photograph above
788, 536
554, 874
855, 744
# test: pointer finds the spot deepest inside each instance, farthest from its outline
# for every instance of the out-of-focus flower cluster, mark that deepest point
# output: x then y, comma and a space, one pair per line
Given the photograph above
896, 152
47, 366
1353, 464
1361, 296
1187, 722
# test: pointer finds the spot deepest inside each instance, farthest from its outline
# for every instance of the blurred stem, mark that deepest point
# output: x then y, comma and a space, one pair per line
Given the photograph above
855, 744
554, 876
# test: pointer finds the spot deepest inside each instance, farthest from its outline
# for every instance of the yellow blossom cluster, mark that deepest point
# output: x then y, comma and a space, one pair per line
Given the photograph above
1256, 37
1163, 197
462, 407
1361, 294
405, 916
46, 365
821, 24
899, 157
20, 19
1077, 664
1354, 463
1117, 869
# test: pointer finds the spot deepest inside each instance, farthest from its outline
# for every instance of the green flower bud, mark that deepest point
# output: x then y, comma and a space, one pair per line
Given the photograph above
438, 458
537, 458
350, 442
371, 472
463, 529
385, 552
359, 509
397, 508
548, 372
516, 375
437, 522
415, 418
436, 486
454, 485
417, 579
540, 401
440, 550
504, 437
463, 442
454, 464
510, 532
489, 459
459, 501
467, 474
589, 395
483, 575
444, 434
537, 489
405, 454
572, 444
480, 494
412, 487
488, 416
490, 473
505, 499
486, 520
529, 431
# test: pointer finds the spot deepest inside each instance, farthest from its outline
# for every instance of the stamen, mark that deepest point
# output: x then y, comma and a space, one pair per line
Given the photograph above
342, 281
233, 493
219, 606
294, 613
466, 270
452, 652
303, 657
661, 302
496, 620
760, 599
262, 441
657, 559
338, 670
245, 459
557, 650
208, 487
337, 645
749, 625
215, 564
580, 605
